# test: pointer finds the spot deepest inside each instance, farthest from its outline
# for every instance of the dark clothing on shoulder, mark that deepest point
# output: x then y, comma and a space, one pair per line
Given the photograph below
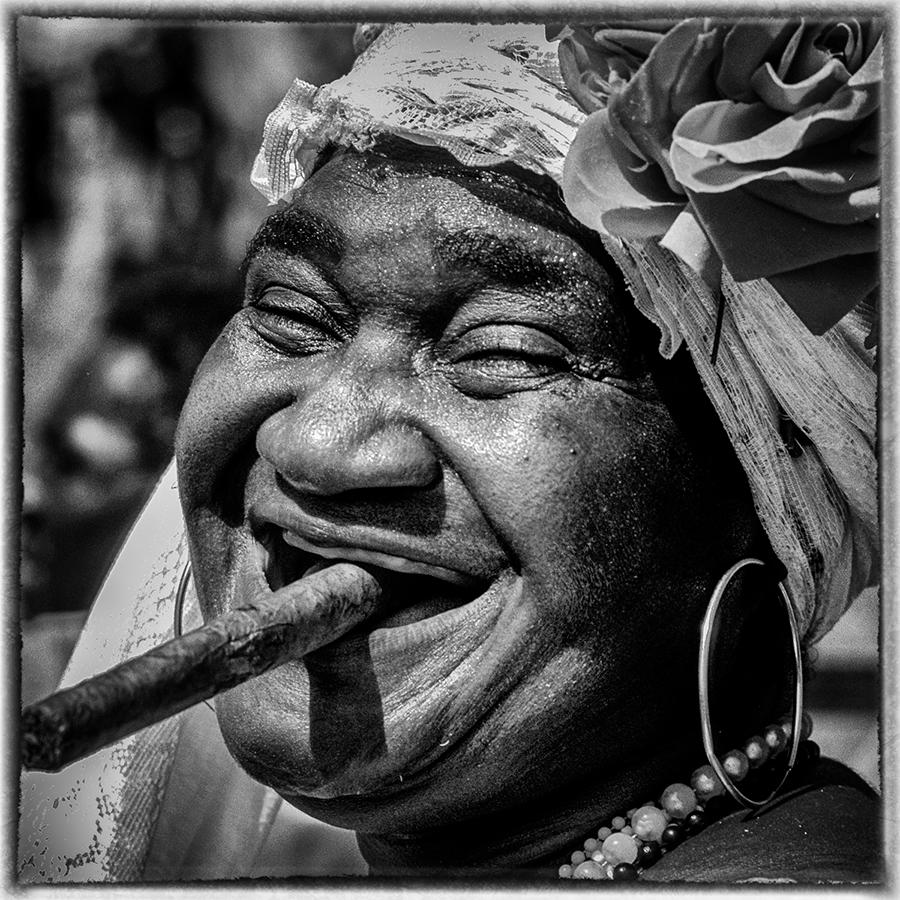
825, 831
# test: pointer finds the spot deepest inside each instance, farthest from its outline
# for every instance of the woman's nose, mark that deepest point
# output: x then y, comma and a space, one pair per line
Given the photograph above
343, 437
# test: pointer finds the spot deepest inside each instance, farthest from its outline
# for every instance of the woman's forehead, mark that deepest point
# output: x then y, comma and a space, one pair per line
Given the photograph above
404, 170
355, 198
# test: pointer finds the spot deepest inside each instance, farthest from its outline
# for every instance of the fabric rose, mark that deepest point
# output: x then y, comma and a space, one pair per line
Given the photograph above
595, 60
750, 142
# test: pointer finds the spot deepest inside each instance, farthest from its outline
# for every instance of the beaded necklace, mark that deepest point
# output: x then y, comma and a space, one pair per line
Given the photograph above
622, 850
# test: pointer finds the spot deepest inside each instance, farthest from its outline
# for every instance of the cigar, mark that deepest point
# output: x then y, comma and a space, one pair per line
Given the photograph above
226, 652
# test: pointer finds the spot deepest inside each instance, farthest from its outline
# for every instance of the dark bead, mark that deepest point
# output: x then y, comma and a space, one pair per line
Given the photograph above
625, 872
715, 808
808, 753
648, 854
695, 822
672, 836
806, 726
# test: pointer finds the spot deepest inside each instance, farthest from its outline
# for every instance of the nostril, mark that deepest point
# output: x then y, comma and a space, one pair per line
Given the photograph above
367, 491
294, 484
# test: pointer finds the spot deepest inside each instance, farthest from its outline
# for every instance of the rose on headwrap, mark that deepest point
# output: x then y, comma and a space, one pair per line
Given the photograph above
596, 59
748, 142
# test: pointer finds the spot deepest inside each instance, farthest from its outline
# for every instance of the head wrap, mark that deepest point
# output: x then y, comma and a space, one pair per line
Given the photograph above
495, 94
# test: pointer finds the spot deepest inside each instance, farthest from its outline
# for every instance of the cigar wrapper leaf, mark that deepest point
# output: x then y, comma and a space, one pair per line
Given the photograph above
225, 652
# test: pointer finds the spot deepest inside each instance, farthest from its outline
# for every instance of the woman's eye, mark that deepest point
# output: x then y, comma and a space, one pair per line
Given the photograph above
498, 359
292, 321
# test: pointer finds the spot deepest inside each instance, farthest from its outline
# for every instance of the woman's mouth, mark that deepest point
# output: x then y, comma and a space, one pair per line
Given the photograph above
420, 590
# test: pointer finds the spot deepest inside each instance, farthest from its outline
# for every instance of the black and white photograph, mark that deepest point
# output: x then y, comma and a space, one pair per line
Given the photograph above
453, 445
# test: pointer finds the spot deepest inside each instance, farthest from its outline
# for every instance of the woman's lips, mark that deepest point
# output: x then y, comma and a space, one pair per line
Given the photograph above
401, 564
420, 590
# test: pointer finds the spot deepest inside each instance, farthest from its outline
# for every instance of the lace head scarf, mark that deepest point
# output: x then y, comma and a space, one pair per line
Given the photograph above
496, 94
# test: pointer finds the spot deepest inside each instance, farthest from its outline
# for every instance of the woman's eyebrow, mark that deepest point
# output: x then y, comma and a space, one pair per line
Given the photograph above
298, 232
508, 259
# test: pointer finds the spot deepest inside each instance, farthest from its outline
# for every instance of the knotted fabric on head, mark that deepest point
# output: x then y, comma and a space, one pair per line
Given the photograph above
495, 94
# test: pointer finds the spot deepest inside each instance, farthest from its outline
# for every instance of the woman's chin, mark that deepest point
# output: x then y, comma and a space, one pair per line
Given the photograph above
367, 779
366, 724
361, 793
312, 734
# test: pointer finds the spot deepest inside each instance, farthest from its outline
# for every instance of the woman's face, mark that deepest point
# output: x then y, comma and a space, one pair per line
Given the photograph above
428, 365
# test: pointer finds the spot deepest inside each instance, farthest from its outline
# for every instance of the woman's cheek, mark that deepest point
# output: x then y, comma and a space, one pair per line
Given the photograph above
601, 502
236, 387
552, 471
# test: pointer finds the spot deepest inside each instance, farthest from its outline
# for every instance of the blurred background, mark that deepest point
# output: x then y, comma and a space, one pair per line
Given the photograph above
136, 142
133, 146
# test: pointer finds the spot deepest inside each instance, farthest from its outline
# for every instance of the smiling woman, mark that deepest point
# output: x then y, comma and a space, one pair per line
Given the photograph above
414, 398
442, 378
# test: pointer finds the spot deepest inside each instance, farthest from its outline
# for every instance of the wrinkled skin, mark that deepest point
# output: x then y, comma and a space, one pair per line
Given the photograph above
432, 363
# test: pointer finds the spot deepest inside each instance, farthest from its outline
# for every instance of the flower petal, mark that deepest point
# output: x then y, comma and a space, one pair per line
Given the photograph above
757, 239
581, 76
728, 128
793, 97
553, 30
746, 46
828, 170
723, 130
687, 240
675, 77
823, 294
851, 207
793, 49
599, 195
634, 43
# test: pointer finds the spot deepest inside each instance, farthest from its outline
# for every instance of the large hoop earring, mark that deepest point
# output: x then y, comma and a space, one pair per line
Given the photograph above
705, 642
180, 593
